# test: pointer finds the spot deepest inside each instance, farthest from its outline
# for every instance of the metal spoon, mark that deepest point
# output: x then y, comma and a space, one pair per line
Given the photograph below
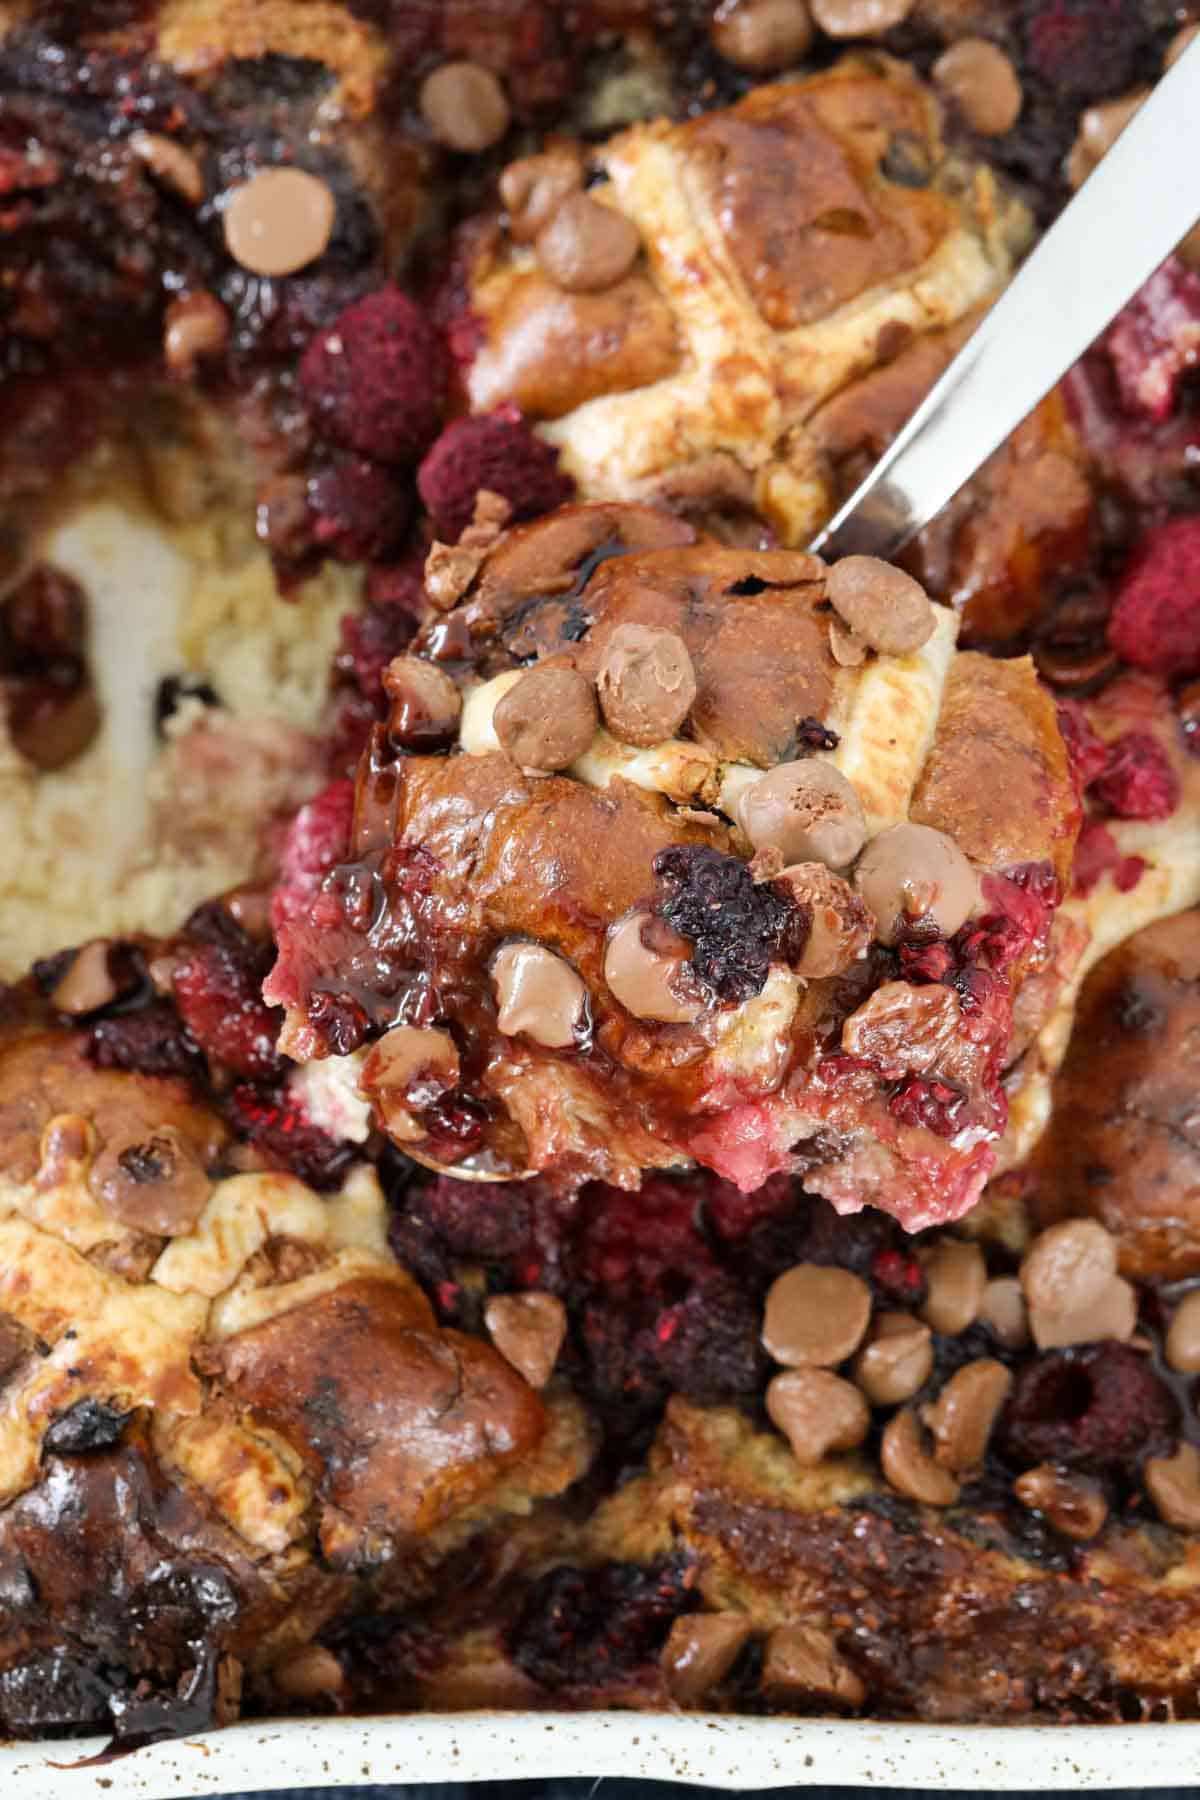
1126, 219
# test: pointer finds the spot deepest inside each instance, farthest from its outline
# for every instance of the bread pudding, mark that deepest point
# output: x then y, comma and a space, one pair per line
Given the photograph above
595, 1111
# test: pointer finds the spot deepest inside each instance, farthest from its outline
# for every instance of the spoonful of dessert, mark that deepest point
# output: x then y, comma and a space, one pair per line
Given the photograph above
1126, 219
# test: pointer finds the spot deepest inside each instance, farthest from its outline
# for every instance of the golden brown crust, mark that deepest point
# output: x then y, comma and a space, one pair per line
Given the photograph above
998, 779
399, 1424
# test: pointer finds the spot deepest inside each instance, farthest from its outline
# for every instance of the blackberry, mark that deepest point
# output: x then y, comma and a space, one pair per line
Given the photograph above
735, 926
588, 1627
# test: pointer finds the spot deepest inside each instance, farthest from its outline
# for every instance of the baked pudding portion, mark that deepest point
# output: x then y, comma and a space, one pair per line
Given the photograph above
643, 301
725, 857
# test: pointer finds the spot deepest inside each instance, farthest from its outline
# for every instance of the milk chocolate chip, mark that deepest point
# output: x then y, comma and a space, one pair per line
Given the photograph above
1183, 1335
646, 684
841, 928
963, 1415
585, 245
1173, 1483
914, 878
88, 984
860, 18
646, 967
195, 328
801, 1661
547, 718
898, 1360
884, 608
425, 704
538, 995
1072, 1504
157, 1185
700, 1651
278, 221
955, 1275
761, 36
807, 811
533, 189
1112, 1315
1068, 1266
407, 1069
464, 106
817, 1412
909, 1467
174, 166
528, 1331
1002, 1309
815, 1316
982, 83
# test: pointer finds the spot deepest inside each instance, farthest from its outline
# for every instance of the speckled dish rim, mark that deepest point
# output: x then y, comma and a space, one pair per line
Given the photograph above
710, 1751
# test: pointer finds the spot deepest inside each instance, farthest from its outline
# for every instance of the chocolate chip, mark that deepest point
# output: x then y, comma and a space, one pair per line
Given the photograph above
898, 1360
840, 929
533, 189
1002, 1309
195, 329
700, 1650
806, 810
956, 1275
646, 684
1183, 1335
909, 1467
464, 106
1112, 1316
547, 718
88, 983
761, 36
1068, 1266
174, 166
802, 1662
1173, 1483
885, 608
279, 221
528, 1330
538, 995
815, 1316
962, 1417
406, 1070
156, 1184
817, 1412
1071, 1503
916, 881
587, 245
859, 18
425, 704
982, 83
646, 966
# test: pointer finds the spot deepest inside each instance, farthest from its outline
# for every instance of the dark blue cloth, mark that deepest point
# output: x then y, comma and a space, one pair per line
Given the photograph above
585, 1789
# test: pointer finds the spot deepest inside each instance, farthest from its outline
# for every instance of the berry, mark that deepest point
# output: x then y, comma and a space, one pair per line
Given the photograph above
370, 639
1138, 781
1088, 752
317, 839
1083, 48
372, 380
735, 925
285, 1137
1097, 854
153, 1041
1154, 340
360, 509
497, 451
589, 1627
1100, 1407
937, 1105
1155, 622
217, 989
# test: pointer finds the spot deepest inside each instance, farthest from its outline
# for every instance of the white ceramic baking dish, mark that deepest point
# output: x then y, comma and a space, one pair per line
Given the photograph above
708, 1751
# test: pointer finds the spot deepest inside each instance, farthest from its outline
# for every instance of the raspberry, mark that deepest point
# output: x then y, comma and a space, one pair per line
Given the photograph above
217, 990
373, 379
370, 639
936, 1105
1138, 781
153, 1041
360, 510
399, 584
317, 839
735, 925
1155, 340
1155, 622
589, 1627
285, 1137
1097, 855
1083, 48
1097, 1407
899, 1280
496, 451
1088, 752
